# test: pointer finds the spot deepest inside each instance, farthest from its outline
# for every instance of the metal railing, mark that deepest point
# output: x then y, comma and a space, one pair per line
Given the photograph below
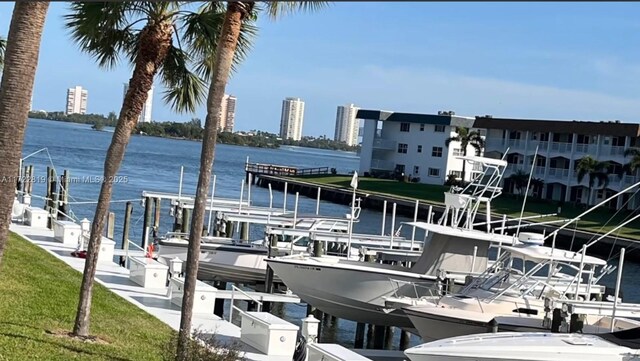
234, 307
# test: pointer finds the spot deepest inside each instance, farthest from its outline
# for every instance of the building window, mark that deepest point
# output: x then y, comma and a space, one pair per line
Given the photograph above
436, 152
457, 152
434, 172
439, 129
400, 168
416, 169
405, 127
456, 173
422, 127
402, 148
419, 149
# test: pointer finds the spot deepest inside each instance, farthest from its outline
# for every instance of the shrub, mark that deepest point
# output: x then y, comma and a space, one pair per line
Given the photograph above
204, 347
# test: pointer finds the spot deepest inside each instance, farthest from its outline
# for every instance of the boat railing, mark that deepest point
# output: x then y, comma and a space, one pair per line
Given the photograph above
235, 289
427, 287
127, 256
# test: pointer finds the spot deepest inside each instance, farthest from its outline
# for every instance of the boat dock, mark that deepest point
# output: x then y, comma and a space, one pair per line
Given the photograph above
420, 209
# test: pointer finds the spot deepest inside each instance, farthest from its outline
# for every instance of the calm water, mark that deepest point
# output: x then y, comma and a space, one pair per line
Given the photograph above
153, 164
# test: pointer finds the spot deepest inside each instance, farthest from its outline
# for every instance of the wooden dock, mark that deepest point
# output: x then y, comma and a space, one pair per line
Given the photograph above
257, 170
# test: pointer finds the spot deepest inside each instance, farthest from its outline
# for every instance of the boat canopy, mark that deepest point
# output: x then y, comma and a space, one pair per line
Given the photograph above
452, 252
484, 160
542, 253
464, 233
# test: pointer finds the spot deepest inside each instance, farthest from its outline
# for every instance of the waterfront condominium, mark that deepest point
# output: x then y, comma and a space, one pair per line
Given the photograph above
228, 113
145, 116
76, 100
413, 145
347, 125
292, 118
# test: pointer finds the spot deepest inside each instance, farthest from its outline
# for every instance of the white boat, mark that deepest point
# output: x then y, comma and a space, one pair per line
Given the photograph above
618, 346
516, 300
452, 249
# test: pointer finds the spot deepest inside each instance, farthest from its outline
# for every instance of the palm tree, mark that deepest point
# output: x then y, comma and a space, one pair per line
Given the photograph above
467, 137
156, 38
634, 163
238, 12
596, 170
3, 45
519, 179
21, 59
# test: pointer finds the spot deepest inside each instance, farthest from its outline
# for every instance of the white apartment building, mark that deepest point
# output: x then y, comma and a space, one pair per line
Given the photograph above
292, 118
347, 125
228, 113
560, 146
413, 144
76, 100
145, 116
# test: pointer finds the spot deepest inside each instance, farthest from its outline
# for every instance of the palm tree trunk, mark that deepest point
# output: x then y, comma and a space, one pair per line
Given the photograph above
236, 12
155, 41
21, 61
464, 164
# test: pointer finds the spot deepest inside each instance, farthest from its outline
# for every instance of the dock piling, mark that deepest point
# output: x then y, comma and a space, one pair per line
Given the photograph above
359, 341
111, 224
125, 232
405, 338
388, 338
147, 220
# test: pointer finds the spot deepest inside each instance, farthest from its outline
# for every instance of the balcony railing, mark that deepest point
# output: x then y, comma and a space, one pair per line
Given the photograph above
561, 147
381, 164
616, 150
385, 144
558, 172
515, 143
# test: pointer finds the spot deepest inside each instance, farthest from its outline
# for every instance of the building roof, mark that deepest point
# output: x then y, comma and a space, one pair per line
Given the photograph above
614, 128
452, 120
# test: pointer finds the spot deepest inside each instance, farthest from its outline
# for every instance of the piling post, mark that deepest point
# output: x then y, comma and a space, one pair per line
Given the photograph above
186, 220
378, 337
48, 189
111, 224
268, 282
384, 217
388, 338
244, 231
125, 232
64, 191
145, 222
370, 331
492, 327
405, 338
218, 307
156, 216
359, 341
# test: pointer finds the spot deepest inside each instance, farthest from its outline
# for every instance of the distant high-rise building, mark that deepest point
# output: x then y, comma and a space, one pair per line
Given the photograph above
347, 125
145, 116
77, 100
292, 118
228, 113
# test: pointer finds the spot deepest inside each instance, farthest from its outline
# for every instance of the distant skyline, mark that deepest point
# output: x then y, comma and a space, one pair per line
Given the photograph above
524, 60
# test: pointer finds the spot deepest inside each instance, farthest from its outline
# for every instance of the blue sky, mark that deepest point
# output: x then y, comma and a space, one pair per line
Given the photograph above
526, 60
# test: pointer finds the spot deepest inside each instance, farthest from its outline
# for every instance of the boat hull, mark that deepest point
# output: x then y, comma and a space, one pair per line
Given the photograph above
355, 295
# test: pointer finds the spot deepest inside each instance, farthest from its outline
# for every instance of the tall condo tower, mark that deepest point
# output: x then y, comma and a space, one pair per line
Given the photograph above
292, 118
145, 116
228, 113
76, 100
347, 125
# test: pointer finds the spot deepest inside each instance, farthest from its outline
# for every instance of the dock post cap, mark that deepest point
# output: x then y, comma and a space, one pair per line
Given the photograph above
310, 329
175, 265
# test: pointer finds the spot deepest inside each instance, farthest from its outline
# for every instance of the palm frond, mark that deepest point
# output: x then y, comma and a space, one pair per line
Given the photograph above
455, 138
201, 31
276, 9
101, 29
3, 46
184, 89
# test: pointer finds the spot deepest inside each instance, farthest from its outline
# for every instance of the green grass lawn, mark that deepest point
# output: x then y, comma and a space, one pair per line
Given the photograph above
39, 295
505, 204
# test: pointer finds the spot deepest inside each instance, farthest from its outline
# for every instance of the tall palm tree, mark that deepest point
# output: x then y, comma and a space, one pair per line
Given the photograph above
238, 12
16, 87
467, 137
156, 38
519, 179
596, 170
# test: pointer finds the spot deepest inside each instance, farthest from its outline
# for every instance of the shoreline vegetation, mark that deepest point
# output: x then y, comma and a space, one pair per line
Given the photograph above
192, 130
